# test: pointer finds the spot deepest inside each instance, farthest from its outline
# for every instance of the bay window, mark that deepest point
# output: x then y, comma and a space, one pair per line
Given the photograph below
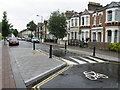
109, 15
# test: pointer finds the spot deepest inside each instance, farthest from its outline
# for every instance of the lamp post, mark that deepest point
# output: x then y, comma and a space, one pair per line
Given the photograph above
45, 22
40, 27
40, 17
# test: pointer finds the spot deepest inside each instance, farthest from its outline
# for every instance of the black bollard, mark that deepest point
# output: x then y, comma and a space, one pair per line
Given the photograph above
50, 52
65, 47
94, 51
33, 45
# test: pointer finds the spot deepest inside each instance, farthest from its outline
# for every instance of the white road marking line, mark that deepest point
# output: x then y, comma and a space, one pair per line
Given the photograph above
90, 61
79, 61
95, 59
69, 62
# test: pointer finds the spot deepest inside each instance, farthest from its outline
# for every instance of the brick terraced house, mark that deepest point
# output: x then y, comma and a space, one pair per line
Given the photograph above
101, 24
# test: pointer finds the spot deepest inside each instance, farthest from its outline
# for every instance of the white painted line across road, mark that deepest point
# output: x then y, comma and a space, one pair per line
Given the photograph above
79, 61
90, 61
95, 59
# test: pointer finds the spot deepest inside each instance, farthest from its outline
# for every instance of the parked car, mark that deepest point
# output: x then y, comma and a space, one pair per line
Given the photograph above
13, 41
29, 39
19, 38
8, 39
35, 39
23, 39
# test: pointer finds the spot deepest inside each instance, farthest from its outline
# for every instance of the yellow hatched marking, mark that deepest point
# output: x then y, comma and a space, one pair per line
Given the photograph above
36, 53
51, 77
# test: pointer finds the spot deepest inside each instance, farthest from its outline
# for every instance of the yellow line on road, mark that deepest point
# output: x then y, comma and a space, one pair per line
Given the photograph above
50, 78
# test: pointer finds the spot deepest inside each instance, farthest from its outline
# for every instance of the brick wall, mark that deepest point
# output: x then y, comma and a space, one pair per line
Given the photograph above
99, 45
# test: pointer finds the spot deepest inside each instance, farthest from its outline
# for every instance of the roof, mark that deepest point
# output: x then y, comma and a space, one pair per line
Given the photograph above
87, 12
75, 14
111, 5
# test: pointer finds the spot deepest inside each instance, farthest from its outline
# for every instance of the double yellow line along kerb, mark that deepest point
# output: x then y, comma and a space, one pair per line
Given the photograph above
37, 87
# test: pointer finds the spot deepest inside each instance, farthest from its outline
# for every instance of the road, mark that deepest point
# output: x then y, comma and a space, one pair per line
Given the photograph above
74, 77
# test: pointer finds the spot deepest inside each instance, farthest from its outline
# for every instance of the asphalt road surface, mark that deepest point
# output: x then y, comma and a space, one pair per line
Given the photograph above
74, 77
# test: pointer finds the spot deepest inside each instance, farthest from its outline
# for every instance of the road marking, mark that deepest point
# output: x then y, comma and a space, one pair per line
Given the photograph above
99, 60
37, 53
51, 77
70, 62
79, 61
90, 61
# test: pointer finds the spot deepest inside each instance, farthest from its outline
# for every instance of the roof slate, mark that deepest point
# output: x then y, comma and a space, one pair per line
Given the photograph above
111, 5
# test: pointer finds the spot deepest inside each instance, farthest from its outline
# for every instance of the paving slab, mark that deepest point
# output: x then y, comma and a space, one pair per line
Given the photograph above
33, 65
8, 81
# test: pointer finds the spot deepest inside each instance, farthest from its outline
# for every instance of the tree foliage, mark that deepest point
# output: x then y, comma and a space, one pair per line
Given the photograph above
0, 27
15, 32
30, 35
57, 24
31, 26
5, 25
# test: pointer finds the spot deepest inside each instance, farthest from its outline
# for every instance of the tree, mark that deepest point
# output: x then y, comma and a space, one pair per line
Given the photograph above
30, 35
5, 26
31, 26
57, 24
0, 27
15, 32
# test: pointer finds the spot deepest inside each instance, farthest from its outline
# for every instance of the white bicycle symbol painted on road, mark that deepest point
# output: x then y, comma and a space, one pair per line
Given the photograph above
93, 75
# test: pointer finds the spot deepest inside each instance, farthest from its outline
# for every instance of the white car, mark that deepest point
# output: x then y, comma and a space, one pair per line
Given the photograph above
35, 39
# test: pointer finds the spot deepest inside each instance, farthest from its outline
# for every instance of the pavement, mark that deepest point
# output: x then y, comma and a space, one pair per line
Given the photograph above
6, 73
103, 54
32, 65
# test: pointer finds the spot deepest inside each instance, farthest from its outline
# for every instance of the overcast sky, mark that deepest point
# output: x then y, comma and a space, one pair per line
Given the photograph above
20, 12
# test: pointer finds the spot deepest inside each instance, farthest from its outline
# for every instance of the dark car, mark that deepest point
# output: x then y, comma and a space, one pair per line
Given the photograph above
13, 41
29, 39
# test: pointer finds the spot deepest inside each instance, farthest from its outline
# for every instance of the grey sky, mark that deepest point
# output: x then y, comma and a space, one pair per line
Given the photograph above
20, 12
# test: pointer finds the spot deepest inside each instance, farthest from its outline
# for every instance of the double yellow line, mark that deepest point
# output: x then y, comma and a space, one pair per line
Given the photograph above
37, 87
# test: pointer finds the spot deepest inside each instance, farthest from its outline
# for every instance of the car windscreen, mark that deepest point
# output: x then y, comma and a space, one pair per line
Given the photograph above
13, 39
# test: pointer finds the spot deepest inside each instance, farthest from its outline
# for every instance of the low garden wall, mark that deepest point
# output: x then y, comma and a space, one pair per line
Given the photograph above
105, 46
99, 45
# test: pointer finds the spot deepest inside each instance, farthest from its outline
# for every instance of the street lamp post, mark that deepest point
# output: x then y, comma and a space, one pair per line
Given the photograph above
45, 22
40, 27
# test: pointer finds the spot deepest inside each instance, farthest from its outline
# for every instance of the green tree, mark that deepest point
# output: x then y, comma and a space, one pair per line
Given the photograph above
15, 32
57, 24
0, 27
31, 26
30, 35
5, 26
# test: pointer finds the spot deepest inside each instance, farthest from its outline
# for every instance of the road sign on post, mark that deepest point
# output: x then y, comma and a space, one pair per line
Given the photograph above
50, 52
33, 45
